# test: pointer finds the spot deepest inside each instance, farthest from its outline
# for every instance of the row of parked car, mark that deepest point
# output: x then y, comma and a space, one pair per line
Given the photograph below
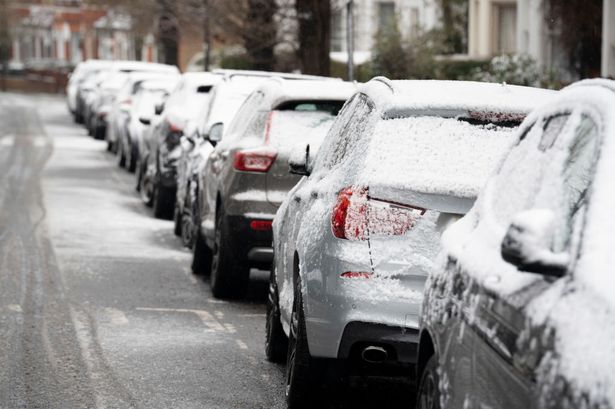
450, 234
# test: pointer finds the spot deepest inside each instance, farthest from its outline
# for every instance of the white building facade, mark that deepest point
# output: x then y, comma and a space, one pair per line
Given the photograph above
519, 27
370, 16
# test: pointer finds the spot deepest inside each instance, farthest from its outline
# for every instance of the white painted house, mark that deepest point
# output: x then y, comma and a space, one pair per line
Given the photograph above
412, 16
519, 26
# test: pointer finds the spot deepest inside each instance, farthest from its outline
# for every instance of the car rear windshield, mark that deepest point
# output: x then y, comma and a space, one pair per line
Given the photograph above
289, 127
436, 155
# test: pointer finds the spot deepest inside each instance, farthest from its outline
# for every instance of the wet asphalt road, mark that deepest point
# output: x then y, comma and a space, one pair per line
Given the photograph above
98, 308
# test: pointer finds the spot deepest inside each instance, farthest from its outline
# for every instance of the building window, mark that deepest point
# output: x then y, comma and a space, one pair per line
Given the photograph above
337, 31
386, 15
505, 20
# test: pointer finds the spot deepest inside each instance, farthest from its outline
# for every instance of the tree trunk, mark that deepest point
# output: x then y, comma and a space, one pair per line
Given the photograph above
168, 32
314, 18
260, 34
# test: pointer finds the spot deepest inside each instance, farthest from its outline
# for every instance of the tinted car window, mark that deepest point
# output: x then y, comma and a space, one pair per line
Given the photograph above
246, 114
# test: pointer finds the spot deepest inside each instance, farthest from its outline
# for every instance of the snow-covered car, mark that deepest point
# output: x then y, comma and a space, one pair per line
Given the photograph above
520, 311
120, 114
150, 94
162, 151
354, 240
246, 176
226, 98
82, 71
108, 84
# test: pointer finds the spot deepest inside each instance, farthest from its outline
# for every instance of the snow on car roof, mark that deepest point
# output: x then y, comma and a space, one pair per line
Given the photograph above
284, 75
143, 66
279, 90
198, 78
165, 84
400, 97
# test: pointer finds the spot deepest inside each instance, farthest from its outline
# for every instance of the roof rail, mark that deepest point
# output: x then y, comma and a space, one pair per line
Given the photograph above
385, 81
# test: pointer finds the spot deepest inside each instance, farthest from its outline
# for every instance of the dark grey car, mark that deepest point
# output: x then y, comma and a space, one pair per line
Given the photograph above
246, 178
521, 313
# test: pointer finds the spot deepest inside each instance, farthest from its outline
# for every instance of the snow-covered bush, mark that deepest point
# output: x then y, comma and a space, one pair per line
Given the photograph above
519, 69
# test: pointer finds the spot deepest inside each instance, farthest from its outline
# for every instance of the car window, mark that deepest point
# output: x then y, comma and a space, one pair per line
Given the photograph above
577, 175
551, 168
345, 133
245, 115
520, 175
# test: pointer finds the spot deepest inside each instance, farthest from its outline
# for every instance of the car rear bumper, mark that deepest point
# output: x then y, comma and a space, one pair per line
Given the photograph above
255, 243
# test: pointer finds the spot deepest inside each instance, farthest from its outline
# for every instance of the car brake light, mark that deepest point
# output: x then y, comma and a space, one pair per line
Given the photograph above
356, 274
261, 225
254, 160
356, 216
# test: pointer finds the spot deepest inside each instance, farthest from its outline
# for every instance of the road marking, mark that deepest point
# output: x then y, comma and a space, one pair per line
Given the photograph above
8, 140
14, 307
115, 316
208, 320
241, 344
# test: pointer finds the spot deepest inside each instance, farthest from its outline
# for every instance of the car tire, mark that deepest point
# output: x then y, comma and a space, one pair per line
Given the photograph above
276, 342
163, 202
147, 190
132, 160
229, 273
177, 221
109, 146
201, 257
428, 396
190, 217
302, 371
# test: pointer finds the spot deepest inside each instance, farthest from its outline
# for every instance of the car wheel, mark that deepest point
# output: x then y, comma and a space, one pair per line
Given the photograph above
201, 257
229, 273
276, 342
109, 146
429, 390
190, 219
147, 190
121, 156
132, 163
163, 202
177, 221
301, 369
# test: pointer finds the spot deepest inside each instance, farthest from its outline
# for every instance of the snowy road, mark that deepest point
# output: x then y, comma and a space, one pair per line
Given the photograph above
98, 308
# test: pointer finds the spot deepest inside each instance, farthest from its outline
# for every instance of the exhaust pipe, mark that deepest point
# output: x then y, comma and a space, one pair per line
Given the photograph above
374, 355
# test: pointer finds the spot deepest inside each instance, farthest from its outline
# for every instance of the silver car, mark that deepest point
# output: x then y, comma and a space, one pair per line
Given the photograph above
246, 176
354, 240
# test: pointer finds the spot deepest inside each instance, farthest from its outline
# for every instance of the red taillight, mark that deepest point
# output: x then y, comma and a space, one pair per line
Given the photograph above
173, 128
356, 215
356, 274
261, 225
254, 160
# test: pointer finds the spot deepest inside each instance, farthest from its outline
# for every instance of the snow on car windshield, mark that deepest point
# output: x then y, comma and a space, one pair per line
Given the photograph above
287, 127
435, 155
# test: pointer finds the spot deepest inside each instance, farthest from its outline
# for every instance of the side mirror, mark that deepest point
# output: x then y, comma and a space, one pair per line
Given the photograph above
145, 120
527, 244
159, 108
299, 160
215, 133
